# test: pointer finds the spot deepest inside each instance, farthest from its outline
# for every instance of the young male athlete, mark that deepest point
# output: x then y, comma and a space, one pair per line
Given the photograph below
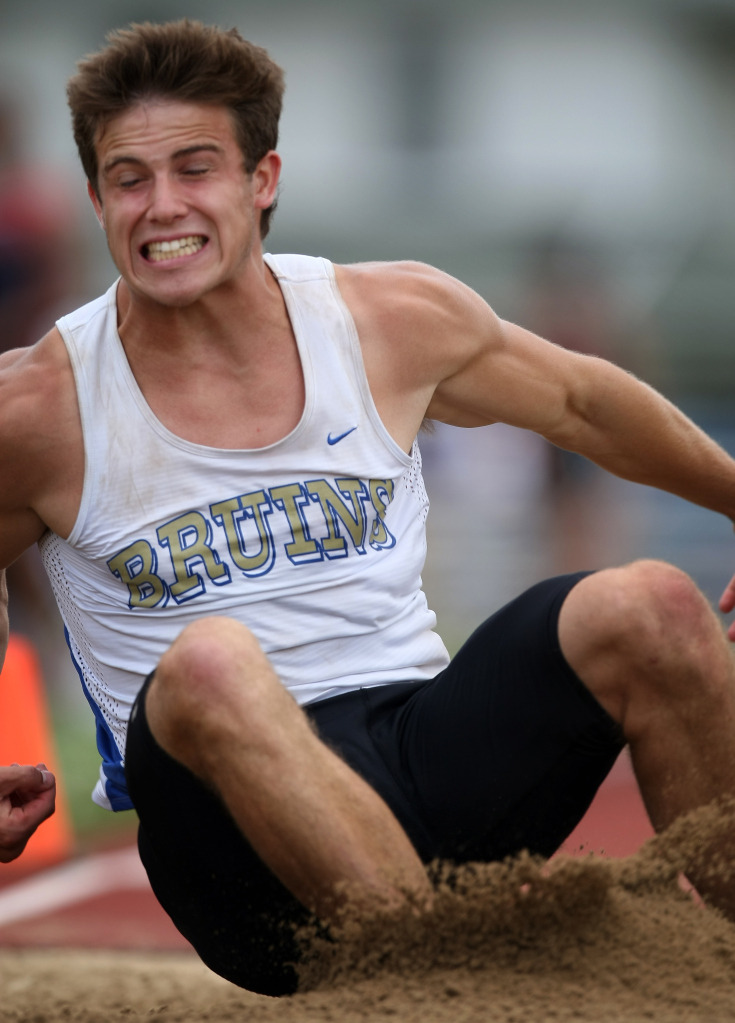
218, 459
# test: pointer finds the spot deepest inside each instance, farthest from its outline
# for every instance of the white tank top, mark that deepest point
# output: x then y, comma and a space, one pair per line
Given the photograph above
316, 542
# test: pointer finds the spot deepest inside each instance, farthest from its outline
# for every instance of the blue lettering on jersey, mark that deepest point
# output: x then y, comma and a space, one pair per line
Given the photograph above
245, 533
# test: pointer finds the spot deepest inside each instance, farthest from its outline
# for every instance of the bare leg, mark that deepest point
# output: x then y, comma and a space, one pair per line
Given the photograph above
216, 706
646, 643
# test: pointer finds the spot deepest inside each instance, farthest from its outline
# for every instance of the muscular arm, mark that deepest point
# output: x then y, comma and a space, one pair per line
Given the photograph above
433, 347
41, 452
590, 406
41, 465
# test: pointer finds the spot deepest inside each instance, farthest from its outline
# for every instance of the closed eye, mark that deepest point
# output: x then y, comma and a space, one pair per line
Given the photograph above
128, 182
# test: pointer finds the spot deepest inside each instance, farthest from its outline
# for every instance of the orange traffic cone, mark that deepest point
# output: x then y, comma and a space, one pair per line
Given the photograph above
26, 738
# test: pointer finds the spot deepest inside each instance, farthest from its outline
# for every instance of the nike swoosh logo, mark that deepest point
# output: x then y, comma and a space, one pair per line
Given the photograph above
340, 436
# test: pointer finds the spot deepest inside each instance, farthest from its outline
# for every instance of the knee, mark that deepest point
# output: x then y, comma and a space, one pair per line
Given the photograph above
213, 663
648, 607
642, 634
656, 597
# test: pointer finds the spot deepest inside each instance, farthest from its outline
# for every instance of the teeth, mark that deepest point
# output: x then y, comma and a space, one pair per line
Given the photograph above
158, 251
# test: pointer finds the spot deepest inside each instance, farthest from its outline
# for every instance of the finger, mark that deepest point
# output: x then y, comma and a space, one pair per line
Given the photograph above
727, 600
47, 777
24, 778
40, 781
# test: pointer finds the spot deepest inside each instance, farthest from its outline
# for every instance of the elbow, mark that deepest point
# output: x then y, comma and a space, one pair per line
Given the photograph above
573, 429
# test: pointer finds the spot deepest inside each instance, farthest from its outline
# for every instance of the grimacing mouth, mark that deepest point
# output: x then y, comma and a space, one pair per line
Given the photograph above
159, 252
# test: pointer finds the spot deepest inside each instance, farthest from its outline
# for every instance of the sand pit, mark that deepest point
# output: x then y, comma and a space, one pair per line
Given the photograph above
582, 939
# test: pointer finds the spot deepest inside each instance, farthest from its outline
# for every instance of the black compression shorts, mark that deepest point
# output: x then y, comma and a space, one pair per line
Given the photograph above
502, 751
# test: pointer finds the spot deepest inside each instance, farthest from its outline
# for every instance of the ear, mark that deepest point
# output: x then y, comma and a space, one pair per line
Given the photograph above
97, 204
265, 180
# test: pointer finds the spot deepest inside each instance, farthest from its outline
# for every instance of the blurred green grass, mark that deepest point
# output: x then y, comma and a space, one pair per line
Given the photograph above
78, 760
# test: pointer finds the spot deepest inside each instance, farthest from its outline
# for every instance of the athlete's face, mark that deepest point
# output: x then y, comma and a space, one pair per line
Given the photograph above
176, 203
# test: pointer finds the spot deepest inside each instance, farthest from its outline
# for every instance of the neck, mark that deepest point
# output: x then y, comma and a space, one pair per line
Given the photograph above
234, 314
224, 371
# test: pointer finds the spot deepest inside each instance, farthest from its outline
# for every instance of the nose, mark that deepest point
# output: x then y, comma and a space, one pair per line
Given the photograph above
166, 202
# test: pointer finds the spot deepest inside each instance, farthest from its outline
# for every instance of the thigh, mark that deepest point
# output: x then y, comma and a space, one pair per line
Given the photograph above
505, 749
224, 900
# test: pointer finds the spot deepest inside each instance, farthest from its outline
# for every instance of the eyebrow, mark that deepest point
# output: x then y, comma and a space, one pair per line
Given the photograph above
203, 147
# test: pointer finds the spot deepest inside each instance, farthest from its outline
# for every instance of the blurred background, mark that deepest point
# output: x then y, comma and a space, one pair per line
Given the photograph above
574, 162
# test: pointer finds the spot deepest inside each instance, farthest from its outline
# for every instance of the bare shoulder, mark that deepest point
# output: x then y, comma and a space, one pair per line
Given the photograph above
35, 385
410, 300
421, 319
418, 328
41, 453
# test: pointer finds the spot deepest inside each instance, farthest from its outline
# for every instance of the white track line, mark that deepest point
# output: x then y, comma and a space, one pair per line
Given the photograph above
71, 883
